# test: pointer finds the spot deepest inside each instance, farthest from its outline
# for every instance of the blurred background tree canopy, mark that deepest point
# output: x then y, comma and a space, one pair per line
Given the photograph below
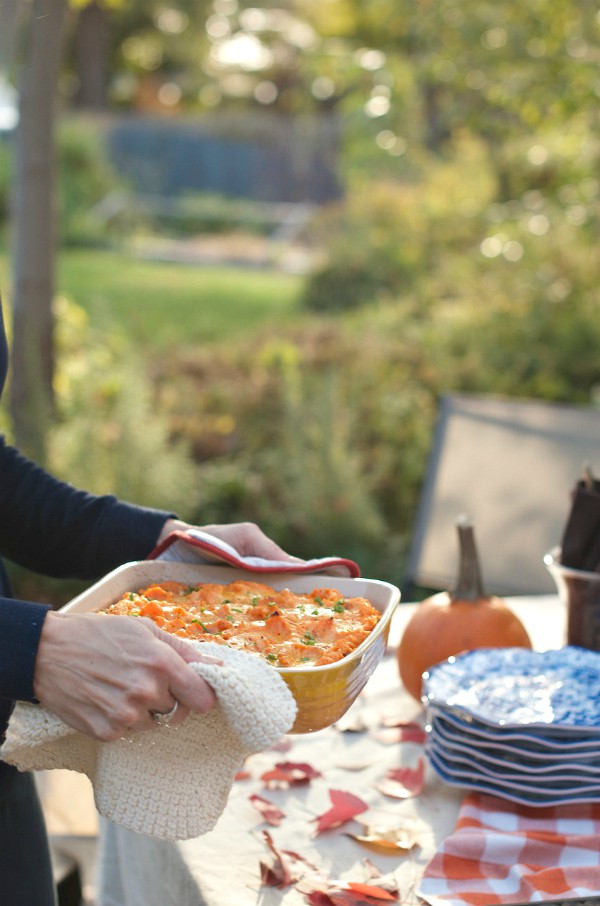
422, 180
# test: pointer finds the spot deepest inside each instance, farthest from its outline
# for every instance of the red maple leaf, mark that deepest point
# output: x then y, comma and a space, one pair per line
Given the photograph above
344, 806
270, 813
402, 783
288, 773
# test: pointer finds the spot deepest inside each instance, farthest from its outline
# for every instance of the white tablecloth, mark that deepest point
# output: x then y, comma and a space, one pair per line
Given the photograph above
222, 868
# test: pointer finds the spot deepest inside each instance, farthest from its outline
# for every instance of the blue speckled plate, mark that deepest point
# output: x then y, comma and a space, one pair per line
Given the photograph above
538, 742
530, 796
517, 687
475, 764
504, 761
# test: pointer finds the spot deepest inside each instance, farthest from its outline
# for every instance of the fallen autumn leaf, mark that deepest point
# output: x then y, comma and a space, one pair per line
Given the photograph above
288, 773
386, 840
270, 813
344, 807
402, 783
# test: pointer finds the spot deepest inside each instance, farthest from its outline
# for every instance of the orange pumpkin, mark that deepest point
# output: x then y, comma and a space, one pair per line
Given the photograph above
450, 622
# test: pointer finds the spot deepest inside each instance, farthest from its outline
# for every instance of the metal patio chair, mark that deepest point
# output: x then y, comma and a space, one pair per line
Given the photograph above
509, 465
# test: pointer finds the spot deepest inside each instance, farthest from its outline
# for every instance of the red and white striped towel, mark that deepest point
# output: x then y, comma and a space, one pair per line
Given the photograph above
196, 546
500, 852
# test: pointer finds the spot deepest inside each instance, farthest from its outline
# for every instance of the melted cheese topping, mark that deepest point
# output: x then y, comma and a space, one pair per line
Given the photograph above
285, 628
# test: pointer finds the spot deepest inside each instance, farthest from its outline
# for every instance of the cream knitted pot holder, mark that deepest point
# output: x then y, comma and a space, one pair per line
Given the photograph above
171, 783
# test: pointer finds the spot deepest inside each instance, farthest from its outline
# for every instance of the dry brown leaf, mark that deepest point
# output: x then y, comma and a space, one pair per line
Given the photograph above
287, 867
270, 813
388, 881
387, 840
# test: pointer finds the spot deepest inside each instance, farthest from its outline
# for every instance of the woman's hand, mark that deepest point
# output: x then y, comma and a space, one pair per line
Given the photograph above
246, 537
106, 675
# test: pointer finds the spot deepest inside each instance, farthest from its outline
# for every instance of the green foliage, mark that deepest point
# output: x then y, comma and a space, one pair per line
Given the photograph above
85, 179
346, 284
366, 255
194, 213
110, 438
386, 236
500, 71
320, 436
313, 467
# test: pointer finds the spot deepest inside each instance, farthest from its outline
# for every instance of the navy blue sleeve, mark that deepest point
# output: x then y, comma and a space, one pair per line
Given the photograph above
20, 628
53, 528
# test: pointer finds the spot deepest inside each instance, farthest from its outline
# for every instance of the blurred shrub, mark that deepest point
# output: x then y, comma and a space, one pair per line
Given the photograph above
346, 284
315, 470
387, 235
207, 212
558, 166
110, 436
373, 245
327, 435
85, 179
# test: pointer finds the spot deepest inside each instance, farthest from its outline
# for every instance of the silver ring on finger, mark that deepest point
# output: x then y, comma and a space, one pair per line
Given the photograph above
163, 719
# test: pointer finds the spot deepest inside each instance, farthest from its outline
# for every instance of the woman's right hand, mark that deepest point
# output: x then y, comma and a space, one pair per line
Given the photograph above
106, 675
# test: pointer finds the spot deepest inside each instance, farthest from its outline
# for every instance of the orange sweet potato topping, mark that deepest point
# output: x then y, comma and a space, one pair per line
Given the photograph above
285, 628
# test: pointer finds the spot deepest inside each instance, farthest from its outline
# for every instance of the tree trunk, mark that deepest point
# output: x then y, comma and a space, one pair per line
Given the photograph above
9, 14
34, 230
91, 52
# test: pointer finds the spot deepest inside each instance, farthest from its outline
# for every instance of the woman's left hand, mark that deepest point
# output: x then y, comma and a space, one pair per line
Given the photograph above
246, 537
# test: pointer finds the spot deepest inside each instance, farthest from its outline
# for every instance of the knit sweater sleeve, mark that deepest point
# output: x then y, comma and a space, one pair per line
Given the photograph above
20, 629
53, 528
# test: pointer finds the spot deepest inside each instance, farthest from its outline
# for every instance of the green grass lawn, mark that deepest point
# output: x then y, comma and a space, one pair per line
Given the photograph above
160, 305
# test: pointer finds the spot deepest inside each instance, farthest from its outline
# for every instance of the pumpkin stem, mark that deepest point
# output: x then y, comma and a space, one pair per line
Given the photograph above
469, 586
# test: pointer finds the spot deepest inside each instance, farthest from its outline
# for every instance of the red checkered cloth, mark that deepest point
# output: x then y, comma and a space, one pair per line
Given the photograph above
500, 852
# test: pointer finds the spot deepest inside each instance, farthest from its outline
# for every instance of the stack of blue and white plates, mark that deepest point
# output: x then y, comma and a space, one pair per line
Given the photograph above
515, 723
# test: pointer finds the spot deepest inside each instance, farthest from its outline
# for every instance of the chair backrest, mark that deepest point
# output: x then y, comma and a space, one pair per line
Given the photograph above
509, 465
